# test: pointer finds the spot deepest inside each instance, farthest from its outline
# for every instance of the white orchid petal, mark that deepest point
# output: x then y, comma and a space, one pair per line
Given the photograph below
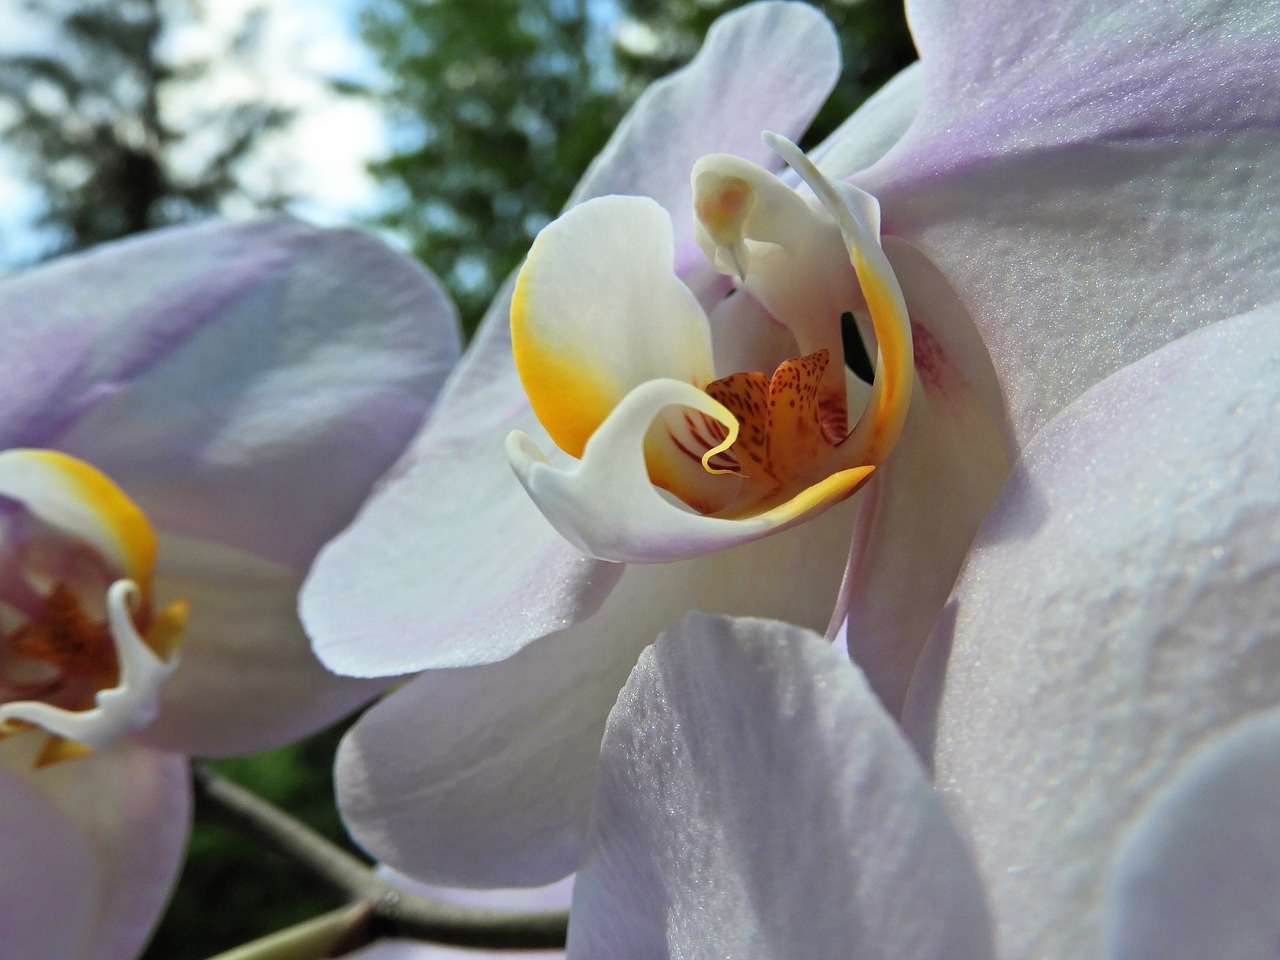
1121, 605
598, 310
1198, 873
755, 801
923, 506
1095, 180
502, 795
767, 66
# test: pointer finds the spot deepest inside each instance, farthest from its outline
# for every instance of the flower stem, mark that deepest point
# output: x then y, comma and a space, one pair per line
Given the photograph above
379, 908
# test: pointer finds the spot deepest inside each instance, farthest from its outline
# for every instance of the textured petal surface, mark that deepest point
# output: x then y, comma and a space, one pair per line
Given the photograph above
1198, 875
426, 577
247, 679
755, 801
484, 775
1122, 604
1095, 180
117, 820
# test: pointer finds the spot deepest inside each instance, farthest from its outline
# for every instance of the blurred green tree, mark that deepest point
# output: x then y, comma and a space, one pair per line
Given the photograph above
94, 111
499, 105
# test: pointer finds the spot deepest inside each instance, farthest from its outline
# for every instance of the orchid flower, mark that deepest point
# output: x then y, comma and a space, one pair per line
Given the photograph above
1018, 201
1100, 708
184, 419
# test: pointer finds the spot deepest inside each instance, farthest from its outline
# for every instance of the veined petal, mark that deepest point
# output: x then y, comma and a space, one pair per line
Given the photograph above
1198, 873
502, 797
755, 801
118, 820
1121, 606
82, 502
607, 506
597, 310
49, 886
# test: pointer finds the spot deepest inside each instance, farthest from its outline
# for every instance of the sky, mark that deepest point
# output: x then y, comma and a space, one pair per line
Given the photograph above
321, 159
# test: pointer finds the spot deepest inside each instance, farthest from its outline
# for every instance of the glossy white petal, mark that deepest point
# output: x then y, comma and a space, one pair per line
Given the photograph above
1121, 606
425, 577
598, 310
1198, 873
116, 821
247, 680
754, 800
483, 776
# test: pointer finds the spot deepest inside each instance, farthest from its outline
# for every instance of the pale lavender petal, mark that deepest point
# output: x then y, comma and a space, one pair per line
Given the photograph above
1198, 874
755, 801
247, 679
1094, 180
119, 819
245, 383
482, 776
1121, 605
428, 576
48, 885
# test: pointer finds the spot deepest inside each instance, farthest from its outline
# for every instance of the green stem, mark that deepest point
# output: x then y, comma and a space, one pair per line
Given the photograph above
327, 935
385, 910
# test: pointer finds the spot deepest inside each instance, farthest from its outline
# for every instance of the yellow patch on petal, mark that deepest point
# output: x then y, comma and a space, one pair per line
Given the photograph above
56, 749
165, 633
568, 396
825, 493
119, 515
896, 356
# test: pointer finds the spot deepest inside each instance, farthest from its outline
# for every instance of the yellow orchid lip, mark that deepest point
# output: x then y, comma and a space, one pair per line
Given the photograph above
88, 655
598, 313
